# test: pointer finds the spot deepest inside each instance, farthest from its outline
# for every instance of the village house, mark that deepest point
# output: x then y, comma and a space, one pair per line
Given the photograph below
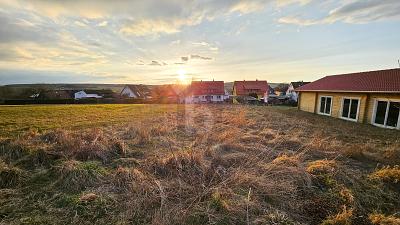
84, 95
169, 93
206, 92
257, 89
136, 91
291, 93
366, 97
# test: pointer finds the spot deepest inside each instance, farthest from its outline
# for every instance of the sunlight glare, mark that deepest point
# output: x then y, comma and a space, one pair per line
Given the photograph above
182, 76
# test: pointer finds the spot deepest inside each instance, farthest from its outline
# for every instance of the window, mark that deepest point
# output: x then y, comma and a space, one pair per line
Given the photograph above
387, 113
218, 96
350, 108
325, 105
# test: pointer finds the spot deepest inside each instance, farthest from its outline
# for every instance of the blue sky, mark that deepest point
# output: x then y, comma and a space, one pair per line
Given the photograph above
153, 41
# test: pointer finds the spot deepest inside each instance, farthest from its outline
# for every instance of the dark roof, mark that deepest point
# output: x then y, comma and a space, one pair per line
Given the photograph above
139, 90
246, 87
372, 81
282, 87
207, 88
299, 84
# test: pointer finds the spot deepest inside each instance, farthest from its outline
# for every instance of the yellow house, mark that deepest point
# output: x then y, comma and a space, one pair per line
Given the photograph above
366, 97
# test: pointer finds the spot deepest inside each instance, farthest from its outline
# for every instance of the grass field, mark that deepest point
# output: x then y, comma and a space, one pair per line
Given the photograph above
195, 164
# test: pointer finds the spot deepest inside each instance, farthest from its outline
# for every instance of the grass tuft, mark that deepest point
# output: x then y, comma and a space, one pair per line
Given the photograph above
387, 174
10, 176
342, 218
380, 219
321, 167
76, 176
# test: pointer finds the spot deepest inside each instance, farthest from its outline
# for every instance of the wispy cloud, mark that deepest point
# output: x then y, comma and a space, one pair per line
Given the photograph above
353, 12
157, 63
199, 57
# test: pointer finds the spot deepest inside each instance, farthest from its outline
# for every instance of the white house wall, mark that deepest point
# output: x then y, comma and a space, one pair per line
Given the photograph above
203, 98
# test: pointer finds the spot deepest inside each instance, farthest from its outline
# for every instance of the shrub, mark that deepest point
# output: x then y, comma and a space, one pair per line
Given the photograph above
342, 218
380, 219
387, 174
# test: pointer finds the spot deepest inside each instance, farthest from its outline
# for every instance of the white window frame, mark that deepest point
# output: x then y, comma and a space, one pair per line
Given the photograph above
319, 105
386, 115
358, 109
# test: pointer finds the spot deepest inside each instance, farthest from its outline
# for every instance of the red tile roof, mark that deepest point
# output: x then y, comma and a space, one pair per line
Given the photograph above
207, 88
247, 87
371, 81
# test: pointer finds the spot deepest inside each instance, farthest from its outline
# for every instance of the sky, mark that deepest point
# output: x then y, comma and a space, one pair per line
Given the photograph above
169, 41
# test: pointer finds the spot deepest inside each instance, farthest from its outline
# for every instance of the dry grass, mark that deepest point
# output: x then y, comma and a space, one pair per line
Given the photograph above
342, 218
387, 174
202, 165
380, 219
321, 167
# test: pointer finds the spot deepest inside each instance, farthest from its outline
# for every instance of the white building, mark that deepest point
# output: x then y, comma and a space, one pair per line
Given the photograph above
291, 89
83, 95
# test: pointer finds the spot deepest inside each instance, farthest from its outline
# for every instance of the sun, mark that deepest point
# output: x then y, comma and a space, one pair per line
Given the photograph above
182, 76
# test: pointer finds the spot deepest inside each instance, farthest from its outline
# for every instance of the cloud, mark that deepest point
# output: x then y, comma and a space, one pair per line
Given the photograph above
16, 31
102, 24
353, 12
157, 63
206, 44
199, 57
366, 11
148, 17
192, 57
298, 21
80, 24
176, 42
147, 27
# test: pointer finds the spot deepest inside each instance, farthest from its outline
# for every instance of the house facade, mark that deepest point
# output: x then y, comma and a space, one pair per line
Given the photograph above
257, 88
205, 92
293, 95
367, 97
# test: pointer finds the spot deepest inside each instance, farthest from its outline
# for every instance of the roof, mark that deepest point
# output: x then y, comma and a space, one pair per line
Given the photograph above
207, 88
387, 81
282, 87
139, 90
299, 84
246, 87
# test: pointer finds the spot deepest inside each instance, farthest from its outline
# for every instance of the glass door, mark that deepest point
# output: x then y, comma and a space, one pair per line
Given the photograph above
387, 114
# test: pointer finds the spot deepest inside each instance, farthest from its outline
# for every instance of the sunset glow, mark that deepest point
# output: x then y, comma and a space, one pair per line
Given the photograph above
182, 76
280, 40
